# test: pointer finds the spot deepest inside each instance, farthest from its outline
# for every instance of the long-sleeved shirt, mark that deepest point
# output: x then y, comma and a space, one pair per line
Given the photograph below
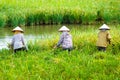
65, 40
103, 38
18, 41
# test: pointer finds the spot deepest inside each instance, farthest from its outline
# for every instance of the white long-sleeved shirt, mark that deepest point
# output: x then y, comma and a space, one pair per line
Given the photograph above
18, 41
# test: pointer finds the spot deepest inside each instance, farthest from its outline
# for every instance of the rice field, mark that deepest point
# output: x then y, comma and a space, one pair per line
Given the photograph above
42, 62
37, 12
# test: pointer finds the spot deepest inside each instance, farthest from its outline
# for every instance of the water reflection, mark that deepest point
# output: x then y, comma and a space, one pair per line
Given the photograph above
32, 33
4, 41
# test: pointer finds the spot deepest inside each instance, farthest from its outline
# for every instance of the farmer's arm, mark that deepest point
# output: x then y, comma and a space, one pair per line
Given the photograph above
12, 43
23, 41
109, 38
61, 40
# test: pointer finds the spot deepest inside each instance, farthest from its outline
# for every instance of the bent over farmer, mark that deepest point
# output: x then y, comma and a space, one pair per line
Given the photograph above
18, 42
103, 38
65, 39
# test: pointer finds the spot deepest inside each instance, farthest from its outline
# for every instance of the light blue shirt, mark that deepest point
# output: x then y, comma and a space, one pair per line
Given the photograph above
65, 40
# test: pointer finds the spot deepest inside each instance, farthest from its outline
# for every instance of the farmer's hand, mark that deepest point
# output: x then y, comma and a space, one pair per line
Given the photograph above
10, 46
55, 47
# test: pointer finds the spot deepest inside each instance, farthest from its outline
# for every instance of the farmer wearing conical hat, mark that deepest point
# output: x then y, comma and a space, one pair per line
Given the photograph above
65, 39
103, 38
18, 42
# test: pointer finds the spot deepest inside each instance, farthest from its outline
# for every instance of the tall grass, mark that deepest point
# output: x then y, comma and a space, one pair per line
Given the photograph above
36, 12
42, 62
2, 20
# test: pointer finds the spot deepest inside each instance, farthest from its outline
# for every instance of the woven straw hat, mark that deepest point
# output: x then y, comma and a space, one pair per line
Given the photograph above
17, 29
105, 27
63, 28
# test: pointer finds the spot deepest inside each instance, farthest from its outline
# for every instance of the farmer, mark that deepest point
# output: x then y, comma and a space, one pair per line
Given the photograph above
18, 43
65, 39
103, 38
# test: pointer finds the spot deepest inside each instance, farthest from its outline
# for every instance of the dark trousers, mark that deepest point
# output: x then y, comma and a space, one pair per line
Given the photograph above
101, 48
68, 49
56, 51
20, 49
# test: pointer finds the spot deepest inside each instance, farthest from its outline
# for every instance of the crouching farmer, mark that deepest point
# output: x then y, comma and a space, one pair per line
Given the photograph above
103, 38
18, 42
65, 39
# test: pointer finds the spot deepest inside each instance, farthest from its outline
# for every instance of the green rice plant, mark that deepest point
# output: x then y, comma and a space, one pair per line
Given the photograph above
89, 18
84, 62
17, 19
57, 18
30, 19
59, 12
42, 65
39, 17
2, 19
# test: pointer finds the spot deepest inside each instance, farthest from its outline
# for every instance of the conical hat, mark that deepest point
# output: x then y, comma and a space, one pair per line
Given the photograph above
63, 28
104, 26
17, 29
